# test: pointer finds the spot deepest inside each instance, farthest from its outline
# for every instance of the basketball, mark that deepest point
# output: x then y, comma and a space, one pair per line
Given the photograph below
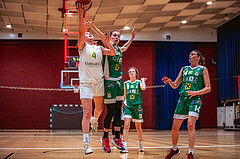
87, 4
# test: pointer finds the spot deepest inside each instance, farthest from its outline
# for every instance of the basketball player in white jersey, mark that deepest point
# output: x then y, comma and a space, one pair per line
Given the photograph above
90, 74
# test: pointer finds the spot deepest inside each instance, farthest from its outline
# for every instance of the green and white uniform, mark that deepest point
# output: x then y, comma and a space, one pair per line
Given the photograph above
133, 101
114, 89
192, 80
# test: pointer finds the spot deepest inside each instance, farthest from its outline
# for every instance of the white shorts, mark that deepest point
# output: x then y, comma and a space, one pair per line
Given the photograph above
88, 90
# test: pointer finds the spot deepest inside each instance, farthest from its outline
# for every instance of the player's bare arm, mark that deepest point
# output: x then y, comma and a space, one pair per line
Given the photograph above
176, 83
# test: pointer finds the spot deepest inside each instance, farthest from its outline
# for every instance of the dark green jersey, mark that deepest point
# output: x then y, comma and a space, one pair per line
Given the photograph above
192, 79
112, 65
133, 96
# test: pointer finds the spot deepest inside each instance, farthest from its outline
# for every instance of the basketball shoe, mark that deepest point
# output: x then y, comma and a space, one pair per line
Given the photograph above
105, 144
87, 148
190, 156
172, 153
118, 143
140, 144
125, 146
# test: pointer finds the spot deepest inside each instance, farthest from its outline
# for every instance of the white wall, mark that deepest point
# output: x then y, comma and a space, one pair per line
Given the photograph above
191, 35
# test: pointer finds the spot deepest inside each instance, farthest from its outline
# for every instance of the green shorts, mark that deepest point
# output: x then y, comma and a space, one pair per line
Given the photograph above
136, 114
188, 107
114, 91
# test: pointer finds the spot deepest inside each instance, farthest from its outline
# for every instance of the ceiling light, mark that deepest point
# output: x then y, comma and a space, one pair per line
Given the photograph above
184, 22
8, 26
65, 30
209, 3
126, 28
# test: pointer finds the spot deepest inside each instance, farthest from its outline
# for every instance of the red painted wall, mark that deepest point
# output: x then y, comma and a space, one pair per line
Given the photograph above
30, 64
208, 115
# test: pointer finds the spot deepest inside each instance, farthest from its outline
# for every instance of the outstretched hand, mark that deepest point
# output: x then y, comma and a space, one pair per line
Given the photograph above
144, 79
166, 80
107, 37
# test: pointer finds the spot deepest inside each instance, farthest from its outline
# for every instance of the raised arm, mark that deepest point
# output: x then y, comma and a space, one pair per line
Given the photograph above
97, 31
143, 84
111, 51
176, 83
207, 84
127, 44
81, 36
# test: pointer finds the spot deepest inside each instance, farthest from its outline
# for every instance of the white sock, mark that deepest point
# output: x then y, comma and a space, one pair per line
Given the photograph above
94, 119
85, 137
190, 151
174, 147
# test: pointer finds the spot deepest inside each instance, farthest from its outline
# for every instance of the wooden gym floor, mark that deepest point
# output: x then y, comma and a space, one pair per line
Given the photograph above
210, 144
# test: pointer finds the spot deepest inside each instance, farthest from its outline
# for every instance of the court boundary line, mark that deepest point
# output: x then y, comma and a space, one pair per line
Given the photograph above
96, 148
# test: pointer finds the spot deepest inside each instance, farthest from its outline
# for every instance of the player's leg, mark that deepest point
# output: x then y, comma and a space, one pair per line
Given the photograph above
107, 121
138, 126
127, 121
117, 141
180, 114
87, 111
191, 134
110, 101
86, 95
138, 119
194, 111
98, 100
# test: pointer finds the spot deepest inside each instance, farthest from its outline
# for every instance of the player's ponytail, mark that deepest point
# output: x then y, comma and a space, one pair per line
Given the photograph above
202, 59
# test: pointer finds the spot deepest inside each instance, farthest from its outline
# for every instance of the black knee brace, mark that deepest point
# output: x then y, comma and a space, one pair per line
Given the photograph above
117, 114
109, 115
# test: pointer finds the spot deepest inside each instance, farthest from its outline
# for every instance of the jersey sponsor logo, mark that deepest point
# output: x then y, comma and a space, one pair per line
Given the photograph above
196, 73
132, 96
110, 85
190, 72
132, 86
188, 86
136, 86
109, 94
117, 67
93, 64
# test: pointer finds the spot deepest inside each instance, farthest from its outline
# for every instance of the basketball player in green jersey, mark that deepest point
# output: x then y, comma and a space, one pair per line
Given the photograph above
114, 89
195, 83
133, 106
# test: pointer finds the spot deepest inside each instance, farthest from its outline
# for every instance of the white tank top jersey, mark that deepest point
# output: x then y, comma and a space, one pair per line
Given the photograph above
90, 64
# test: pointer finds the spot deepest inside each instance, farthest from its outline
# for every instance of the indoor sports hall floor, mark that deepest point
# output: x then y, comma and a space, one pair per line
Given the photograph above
210, 144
